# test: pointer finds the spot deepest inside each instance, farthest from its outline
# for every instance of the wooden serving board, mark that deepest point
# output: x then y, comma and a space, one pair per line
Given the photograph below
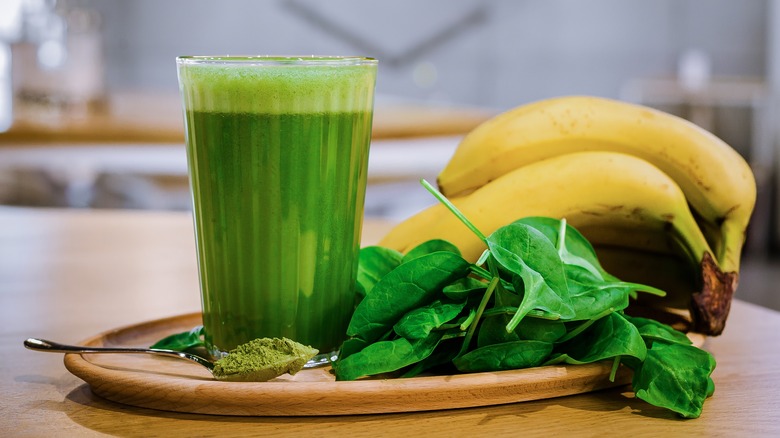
176, 385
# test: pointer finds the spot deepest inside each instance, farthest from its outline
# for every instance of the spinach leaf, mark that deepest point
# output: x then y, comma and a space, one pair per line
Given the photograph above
576, 249
464, 287
591, 297
410, 285
350, 347
428, 247
676, 377
442, 356
492, 330
536, 267
181, 341
504, 356
417, 308
652, 330
386, 356
418, 323
544, 330
607, 338
374, 262
580, 280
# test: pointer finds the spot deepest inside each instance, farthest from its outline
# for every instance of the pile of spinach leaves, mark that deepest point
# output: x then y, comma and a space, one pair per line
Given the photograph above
537, 296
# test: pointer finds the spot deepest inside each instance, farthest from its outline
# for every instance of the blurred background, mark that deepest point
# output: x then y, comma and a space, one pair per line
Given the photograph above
90, 116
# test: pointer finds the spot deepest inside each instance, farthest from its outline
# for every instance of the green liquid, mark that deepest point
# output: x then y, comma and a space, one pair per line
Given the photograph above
278, 202
277, 154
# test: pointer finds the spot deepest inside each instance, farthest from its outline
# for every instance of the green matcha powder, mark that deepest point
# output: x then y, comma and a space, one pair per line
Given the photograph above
263, 359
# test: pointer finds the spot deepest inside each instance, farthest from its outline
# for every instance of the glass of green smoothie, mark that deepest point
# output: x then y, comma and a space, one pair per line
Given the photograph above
277, 151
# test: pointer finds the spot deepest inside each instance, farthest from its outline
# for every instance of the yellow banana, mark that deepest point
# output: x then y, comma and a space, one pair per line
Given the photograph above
716, 180
592, 190
589, 189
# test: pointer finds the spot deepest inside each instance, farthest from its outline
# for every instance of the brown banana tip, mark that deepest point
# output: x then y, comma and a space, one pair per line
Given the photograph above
710, 307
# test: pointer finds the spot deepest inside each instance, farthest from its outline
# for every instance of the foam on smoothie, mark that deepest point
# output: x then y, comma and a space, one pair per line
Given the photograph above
278, 88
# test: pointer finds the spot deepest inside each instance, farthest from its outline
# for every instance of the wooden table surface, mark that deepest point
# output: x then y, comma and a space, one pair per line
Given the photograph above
67, 275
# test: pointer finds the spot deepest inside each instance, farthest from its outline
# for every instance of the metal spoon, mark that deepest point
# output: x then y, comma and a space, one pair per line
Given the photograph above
55, 347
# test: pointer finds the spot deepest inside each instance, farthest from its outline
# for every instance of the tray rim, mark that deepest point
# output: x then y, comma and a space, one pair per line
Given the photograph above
188, 394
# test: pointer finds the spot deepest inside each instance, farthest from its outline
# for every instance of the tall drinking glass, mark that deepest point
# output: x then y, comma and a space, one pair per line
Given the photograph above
277, 151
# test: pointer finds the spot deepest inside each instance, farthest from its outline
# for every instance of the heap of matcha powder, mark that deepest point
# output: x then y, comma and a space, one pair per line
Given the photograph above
263, 359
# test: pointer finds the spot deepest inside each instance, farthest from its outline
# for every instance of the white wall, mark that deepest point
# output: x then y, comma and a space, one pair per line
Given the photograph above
494, 53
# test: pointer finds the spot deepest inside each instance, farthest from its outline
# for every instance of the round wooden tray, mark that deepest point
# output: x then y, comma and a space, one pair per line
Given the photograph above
175, 385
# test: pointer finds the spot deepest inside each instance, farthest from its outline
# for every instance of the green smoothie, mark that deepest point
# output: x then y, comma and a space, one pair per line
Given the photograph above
277, 153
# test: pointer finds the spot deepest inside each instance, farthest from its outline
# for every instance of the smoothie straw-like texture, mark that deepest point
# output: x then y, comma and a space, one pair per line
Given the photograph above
239, 86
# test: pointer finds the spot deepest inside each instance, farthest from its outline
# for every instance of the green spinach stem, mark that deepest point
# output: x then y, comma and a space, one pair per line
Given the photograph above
469, 320
443, 199
639, 288
581, 328
510, 310
482, 272
562, 237
615, 366
486, 275
481, 308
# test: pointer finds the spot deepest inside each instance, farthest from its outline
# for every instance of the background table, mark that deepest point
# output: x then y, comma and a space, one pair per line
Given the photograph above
136, 117
70, 274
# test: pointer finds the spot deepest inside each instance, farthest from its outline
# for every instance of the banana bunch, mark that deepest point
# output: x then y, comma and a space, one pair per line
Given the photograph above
647, 184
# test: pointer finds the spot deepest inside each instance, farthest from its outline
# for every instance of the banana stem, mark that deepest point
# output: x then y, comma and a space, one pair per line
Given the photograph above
710, 306
730, 249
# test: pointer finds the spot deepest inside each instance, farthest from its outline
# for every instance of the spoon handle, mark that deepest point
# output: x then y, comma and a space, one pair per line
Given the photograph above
55, 347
